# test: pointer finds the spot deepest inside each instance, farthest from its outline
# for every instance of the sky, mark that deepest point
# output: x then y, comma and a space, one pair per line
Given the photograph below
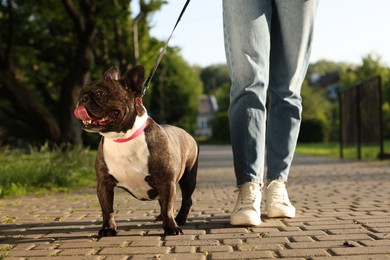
345, 30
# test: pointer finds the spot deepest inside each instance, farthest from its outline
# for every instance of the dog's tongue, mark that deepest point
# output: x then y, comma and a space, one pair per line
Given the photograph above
81, 113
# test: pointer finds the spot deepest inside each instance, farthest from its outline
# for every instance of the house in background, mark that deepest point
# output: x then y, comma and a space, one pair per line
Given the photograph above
207, 107
328, 81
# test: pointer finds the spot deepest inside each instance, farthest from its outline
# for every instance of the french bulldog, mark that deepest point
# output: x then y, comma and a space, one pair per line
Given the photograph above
135, 153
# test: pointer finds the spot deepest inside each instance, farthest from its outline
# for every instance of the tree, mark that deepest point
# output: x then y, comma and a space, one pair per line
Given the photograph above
216, 81
50, 48
316, 114
350, 75
314, 102
175, 90
214, 76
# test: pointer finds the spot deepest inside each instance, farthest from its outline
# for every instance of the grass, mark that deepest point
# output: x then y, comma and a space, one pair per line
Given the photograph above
319, 149
44, 171
6, 247
8, 219
333, 150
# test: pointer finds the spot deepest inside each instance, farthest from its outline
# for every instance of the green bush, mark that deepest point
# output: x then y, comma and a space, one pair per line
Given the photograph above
313, 130
220, 125
43, 170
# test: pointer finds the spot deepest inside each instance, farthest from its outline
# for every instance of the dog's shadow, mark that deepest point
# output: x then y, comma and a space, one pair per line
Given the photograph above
61, 231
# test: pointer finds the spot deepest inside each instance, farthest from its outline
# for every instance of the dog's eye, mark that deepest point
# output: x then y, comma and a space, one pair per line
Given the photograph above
99, 93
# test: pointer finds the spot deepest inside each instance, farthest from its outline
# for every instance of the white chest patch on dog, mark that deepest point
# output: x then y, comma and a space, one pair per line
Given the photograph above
128, 163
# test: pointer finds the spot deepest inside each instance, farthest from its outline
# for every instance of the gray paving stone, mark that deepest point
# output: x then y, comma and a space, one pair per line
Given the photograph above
343, 210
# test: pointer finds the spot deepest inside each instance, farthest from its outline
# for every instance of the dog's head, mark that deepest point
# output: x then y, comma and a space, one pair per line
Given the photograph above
111, 104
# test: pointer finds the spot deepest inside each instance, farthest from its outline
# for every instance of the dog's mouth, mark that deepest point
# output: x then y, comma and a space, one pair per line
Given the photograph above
91, 122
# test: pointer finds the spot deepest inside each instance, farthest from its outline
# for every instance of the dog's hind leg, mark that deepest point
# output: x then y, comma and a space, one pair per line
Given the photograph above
187, 185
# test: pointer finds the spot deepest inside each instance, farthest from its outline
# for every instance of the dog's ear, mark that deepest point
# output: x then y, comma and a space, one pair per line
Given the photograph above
139, 107
111, 73
134, 79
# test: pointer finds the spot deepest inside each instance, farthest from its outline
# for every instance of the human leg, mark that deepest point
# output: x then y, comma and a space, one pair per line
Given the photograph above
247, 44
291, 34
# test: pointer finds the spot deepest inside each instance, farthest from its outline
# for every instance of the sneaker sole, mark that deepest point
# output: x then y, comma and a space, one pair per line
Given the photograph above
244, 222
271, 214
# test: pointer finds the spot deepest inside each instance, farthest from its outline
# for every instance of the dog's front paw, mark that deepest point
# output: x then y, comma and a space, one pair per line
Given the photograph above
181, 220
107, 232
173, 231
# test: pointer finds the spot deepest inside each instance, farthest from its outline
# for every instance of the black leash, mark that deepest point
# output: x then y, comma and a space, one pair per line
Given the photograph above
163, 51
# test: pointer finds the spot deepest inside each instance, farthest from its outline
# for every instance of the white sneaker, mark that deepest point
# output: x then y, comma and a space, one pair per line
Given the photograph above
278, 203
247, 209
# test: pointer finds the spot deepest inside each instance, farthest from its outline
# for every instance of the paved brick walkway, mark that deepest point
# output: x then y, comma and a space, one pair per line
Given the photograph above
343, 212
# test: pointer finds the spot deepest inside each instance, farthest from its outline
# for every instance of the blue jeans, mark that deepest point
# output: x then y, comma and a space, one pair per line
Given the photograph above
267, 45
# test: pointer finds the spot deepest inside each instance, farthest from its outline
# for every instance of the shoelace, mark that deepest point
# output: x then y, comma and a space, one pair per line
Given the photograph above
280, 195
247, 198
